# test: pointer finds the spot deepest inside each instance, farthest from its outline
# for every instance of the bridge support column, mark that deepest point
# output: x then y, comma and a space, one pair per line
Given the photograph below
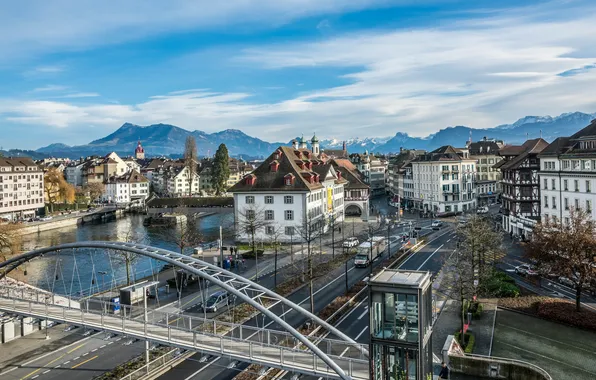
26, 326
7, 331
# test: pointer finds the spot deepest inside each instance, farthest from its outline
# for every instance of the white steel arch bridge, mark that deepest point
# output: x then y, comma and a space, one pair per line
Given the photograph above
343, 358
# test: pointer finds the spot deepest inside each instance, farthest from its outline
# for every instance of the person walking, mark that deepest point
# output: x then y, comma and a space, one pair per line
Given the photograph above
444, 374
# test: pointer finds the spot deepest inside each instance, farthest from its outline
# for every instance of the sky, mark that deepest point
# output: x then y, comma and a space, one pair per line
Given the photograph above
76, 70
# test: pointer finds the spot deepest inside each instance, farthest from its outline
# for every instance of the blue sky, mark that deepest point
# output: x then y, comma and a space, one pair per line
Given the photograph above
73, 71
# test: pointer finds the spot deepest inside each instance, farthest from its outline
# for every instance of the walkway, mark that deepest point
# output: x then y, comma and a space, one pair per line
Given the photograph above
195, 339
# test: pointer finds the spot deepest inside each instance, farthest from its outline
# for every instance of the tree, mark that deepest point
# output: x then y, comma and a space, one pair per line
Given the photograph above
221, 169
56, 187
459, 279
94, 190
566, 250
309, 231
191, 160
80, 196
480, 243
275, 233
67, 193
251, 220
10, 238
129, 258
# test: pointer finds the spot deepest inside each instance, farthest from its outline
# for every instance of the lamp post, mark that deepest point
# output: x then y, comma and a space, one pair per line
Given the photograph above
103, 283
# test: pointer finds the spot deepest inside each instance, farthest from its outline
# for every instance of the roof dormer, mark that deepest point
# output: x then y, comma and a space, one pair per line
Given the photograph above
289, 179
277, 154
298, 154
309, 165
274, 165
300, 164
250, 179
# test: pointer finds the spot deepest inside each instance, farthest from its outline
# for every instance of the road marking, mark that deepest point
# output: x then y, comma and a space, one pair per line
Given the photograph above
94, 350
35, 377
362, 315
110, 343
422, 246
65, 363
102, 346
361, 332
431, 255
544, 337
43, 373
58, 366
86, 361
76, 348
77, 358
39, 369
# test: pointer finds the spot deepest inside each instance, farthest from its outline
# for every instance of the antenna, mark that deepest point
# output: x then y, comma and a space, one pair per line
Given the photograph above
527, 136
541, 133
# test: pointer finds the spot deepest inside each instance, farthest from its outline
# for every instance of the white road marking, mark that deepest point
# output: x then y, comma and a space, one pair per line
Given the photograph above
77, 358
361, 332
363, 314
65, 363
43, 373
94, 350
431, 255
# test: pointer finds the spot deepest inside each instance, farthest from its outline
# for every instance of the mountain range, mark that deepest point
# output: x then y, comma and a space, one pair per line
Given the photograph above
168, 140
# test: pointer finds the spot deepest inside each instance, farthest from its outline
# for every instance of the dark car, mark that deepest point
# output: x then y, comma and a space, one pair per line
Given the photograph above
216, 301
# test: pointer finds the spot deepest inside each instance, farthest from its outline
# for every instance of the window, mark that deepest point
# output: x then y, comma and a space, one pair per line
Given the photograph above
545, 201
288, 199
269, 199
270, 230
555, 202
576, 185
552, 184
589, 205
250, 200
565, 185
565, 164
445, 177
289, 231
454, 176
249, 215
588, 187
445, 188
565, 203
567, 221
289, 215
576, 204
545, 184
269, 215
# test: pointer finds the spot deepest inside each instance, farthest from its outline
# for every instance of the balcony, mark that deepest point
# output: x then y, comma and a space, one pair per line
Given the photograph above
355, 199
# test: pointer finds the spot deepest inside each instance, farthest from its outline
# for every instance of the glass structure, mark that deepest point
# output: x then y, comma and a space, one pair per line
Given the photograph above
400, 304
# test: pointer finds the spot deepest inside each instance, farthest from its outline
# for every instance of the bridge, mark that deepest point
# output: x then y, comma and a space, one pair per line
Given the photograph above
192, 205
286, 349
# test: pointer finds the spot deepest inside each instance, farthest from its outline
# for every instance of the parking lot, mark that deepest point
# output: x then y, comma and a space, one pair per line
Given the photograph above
566, 353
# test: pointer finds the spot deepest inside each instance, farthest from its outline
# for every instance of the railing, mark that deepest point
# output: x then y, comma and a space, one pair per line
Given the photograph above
521, 363
152, 365
244, 343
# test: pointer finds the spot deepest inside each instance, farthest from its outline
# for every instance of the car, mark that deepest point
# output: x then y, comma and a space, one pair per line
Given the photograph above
525, 270
436, 224
350, 242
216, 301
361, 261
482, 210
567, 282
462, 221
46, 218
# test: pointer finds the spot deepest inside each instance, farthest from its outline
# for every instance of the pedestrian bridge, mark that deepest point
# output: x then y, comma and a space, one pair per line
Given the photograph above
189, 205
288, 350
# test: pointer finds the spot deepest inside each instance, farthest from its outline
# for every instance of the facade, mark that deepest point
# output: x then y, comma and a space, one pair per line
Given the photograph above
568, 175
400, 183
21, 188
520, 186
443, 181
356, 192
291, 191
139, 152
131, 187
179, 185
401, 321
74, 173
488, 178
373, 169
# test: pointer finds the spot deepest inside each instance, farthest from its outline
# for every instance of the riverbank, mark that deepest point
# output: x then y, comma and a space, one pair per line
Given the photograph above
71, 220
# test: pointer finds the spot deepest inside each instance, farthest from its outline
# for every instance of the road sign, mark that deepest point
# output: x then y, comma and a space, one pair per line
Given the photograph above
475, 282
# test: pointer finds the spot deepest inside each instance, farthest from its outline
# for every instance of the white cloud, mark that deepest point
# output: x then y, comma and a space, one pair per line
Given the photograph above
50, 88
474, 73
81, 95
40, 70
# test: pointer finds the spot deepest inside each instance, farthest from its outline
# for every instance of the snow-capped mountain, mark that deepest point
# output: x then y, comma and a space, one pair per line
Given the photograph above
355, 144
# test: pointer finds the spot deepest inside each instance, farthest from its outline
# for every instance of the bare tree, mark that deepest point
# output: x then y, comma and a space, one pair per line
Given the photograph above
252, 220
275, 233
566, 250
309, 231
94, 190
129, 259
185, 235
459, 279
480, 243
10, 238
191, 160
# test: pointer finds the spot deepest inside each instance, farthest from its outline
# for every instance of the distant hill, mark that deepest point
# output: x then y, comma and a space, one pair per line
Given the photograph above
168, 140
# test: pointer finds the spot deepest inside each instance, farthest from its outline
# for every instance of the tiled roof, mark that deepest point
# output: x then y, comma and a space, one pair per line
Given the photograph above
20, 161
349, 173
483, 147
590, 130
444, 153
533, 146
131, 177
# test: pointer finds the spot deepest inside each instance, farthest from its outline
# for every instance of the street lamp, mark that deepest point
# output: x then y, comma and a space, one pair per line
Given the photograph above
103, 284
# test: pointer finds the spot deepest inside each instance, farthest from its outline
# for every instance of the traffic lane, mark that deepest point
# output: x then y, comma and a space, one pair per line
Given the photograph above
422, 256
62, 358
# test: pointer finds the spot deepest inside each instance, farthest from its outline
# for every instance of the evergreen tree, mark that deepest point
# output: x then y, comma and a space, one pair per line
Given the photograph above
221, 169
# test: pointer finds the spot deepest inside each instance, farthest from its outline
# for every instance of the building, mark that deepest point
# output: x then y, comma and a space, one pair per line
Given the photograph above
520, 186
373, 169
21, 188
337, 153
179, 184
356, 192
568, 175
128, 188
488, 178
293, 191
238, 169
205, 172
443, 181
396, 169
139, 152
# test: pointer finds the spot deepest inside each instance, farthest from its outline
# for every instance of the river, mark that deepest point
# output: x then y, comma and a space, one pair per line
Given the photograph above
69, 273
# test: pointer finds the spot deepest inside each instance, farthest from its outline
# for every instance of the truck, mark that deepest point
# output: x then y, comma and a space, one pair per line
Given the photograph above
364, 256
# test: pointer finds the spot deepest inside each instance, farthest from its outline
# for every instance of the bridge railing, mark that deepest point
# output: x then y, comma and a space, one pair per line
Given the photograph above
268, 354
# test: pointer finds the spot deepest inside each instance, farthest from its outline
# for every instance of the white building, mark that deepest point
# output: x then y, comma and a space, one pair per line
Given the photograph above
443, 181
486, 154
21, 188
568, 175
129, 188
74, 173
292, 190
178, 183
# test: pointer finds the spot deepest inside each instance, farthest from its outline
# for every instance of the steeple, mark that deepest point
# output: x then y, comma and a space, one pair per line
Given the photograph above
139, 151
302, 143
315, 145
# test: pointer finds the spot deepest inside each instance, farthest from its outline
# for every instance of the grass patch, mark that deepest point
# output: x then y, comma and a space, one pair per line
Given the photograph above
499, 285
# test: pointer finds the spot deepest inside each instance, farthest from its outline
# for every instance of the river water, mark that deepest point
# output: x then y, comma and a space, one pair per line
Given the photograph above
83, 272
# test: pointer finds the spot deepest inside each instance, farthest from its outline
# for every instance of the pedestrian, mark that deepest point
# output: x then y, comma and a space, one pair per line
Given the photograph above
444, 374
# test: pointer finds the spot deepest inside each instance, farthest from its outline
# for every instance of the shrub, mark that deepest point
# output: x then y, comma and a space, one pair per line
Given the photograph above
500, 285
468, 345
475, 308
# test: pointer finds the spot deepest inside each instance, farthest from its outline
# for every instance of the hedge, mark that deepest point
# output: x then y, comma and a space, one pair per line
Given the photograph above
470, 341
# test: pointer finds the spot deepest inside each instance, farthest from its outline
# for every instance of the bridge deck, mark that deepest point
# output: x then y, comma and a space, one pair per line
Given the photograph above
269, 355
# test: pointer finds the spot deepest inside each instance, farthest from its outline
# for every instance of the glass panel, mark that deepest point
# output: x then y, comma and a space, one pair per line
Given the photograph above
377, 317
411, 365
400, 317
377, 358
389, 320
412, 318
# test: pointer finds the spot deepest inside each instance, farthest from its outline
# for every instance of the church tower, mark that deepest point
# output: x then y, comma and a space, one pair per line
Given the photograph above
315, 145
139, 152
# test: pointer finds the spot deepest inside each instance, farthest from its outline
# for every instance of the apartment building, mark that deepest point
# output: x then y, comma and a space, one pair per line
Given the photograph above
443, 181
488, 178
294, 190
568, 175
21, 188
520, 186
128, 188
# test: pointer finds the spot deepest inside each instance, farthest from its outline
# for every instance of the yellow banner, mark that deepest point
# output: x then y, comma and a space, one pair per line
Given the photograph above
330, 199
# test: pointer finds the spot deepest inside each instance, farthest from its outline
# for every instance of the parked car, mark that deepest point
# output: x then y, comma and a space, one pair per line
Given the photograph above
567, 282
436, 224
482, 210
525, 270
46, 218
350, 242
361, 261
216, 301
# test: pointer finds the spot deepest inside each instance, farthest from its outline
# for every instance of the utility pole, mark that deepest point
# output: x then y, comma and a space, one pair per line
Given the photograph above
145, 319
221, 261
346, 263
388, 239
333, 236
